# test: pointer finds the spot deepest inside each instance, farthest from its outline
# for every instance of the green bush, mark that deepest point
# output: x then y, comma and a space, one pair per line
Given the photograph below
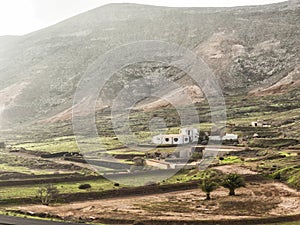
84, 186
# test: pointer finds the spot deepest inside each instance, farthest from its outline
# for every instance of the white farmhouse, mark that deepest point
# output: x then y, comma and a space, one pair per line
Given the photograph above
186, 136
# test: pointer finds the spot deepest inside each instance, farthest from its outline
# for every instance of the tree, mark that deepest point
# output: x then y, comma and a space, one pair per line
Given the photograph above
232, 182
208, 186
47, 193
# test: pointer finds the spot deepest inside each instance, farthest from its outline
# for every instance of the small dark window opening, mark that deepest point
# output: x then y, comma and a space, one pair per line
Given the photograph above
167, 139
176, 139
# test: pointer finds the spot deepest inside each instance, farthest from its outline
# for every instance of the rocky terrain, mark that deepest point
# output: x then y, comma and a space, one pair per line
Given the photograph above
252, 50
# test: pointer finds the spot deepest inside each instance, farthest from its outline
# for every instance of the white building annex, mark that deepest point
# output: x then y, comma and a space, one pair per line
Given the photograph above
226, 137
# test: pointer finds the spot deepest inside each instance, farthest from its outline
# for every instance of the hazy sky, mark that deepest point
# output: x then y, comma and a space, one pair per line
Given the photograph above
19, 17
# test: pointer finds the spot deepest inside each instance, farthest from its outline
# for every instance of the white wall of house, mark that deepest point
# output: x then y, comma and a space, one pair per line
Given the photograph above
187, 135
157, 139
167, 139
215, 138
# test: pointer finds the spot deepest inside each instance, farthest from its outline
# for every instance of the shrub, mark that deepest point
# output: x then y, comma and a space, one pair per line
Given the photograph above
47, 194
84, 186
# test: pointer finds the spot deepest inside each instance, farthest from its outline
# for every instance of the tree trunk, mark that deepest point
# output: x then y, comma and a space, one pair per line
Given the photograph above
231, 192
207, 196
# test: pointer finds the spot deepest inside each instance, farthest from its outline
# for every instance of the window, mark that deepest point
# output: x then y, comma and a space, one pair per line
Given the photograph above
186, 139
167, 139
175, 139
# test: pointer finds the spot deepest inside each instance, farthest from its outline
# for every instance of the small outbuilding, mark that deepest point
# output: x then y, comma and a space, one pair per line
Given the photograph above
226, 137
260, 123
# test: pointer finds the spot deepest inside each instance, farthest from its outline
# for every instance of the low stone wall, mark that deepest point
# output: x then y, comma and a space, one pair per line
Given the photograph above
62, 179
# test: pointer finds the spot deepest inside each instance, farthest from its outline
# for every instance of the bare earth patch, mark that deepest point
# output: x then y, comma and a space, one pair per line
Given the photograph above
258, 199
235, 169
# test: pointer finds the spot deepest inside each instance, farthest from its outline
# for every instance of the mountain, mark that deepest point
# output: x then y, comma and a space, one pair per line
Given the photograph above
252, 50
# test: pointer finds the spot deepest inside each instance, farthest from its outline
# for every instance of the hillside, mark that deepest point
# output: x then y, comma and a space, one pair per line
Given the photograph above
252, 50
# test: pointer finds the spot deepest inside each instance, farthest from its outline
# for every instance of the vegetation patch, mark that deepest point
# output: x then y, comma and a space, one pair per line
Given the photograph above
290, 174
269, 143
229, 160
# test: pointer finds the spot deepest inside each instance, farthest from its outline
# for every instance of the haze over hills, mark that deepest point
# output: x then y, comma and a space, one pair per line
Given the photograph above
252, 50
